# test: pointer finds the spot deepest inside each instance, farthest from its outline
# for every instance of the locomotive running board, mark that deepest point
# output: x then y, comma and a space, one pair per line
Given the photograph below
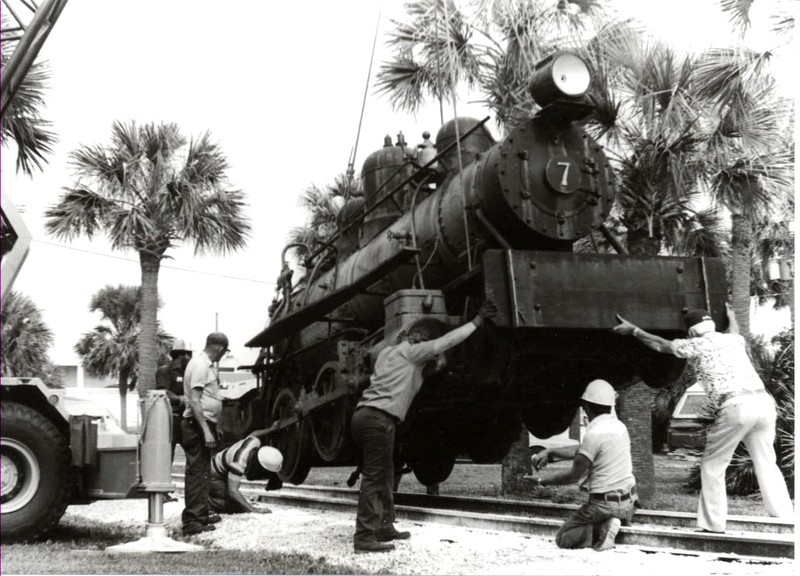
290, 324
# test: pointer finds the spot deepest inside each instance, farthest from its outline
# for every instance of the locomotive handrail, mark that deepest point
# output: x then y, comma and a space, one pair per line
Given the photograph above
287, 325
391, 194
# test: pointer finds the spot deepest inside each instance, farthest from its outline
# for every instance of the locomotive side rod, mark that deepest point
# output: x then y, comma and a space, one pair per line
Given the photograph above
303, 409
391, 194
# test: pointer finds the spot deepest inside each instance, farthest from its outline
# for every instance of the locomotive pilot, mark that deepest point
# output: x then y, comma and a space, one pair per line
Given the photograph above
397, 378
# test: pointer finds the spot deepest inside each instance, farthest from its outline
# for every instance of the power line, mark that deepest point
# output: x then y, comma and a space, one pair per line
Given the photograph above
126, 259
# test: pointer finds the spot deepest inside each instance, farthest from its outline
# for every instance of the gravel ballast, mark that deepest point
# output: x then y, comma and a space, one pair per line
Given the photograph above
432, 549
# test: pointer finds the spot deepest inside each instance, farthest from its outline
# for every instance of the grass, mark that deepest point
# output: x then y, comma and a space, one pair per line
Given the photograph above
73, 549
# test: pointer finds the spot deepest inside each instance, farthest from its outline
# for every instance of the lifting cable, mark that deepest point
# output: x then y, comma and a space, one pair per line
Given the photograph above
351, 163
453, 79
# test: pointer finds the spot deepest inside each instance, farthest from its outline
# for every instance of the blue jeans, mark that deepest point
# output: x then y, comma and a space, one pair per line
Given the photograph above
373, 432
580, 529
197, 478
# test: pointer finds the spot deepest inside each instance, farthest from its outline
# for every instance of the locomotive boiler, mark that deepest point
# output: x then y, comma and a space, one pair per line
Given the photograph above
440, 226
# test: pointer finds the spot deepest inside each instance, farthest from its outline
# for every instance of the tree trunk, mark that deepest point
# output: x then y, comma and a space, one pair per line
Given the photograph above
517, 464
741, 240
635, 402
148, 342
636, 412
122, 382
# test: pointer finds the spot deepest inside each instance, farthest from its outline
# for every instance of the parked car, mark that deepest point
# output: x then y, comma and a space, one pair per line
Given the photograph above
687, 427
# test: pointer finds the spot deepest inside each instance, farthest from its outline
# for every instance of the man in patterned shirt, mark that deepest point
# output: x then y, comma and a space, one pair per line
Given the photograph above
746, 412
230, 465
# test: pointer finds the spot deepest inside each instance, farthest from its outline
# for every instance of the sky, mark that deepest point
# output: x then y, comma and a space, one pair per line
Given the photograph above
278, 84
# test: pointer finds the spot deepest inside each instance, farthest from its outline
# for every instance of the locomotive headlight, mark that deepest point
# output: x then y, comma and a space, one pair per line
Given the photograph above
562, 75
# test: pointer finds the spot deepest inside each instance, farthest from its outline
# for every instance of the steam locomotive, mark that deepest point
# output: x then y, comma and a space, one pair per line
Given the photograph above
439, 227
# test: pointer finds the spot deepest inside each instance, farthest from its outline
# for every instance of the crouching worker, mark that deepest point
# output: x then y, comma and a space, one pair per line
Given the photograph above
230, 465
602, 465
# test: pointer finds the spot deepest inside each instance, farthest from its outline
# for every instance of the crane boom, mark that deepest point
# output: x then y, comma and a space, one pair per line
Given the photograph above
27, 26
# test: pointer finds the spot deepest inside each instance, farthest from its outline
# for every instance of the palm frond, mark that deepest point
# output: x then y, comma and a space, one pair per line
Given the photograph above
22, 121
79, 211
738, 13
26, 339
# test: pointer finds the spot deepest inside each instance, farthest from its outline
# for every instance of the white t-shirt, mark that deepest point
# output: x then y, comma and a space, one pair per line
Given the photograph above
200, 373
607, 446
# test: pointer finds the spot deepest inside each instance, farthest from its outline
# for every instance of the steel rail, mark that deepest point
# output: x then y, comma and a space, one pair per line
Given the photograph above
765, 539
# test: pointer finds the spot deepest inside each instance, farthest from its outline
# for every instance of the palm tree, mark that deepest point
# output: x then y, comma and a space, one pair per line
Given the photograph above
22, 121
149, 192
26, 340
323, 207
749, 167
111, 348
440, 48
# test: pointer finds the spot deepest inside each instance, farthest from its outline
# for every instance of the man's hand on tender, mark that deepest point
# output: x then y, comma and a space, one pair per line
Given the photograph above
624, 327
487, 310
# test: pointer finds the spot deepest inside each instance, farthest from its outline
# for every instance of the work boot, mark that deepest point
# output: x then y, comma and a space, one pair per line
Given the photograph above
365, 547
389, 532
212, 519
193, 529
608, 533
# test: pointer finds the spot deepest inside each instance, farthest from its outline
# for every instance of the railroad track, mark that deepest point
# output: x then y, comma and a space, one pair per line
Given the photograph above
766, 539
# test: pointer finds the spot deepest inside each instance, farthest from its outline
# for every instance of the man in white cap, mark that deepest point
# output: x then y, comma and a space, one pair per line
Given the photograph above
229, 466
199, 432
602, 466
745, 412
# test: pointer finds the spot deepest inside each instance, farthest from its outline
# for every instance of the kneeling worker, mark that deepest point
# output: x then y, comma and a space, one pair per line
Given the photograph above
229, 466
602, 464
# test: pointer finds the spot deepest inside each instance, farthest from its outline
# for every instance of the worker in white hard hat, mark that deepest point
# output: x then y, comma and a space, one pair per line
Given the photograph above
229, 466
602, 466
169, 377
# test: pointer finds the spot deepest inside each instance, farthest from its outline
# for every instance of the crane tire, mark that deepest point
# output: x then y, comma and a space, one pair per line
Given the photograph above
36, 473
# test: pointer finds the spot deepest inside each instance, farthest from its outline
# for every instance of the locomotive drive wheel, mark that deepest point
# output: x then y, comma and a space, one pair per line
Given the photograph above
291, 441
434, 470
544, 421
35, 473
329, 423
490, 440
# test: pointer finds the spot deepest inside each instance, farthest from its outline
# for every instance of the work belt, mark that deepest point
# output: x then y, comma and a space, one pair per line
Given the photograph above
728, 395
613, 496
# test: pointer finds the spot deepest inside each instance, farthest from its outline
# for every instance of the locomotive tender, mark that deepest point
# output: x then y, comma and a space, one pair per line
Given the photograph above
439, 228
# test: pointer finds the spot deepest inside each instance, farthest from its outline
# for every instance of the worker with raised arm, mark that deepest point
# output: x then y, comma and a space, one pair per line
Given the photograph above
745, 412
396, 379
